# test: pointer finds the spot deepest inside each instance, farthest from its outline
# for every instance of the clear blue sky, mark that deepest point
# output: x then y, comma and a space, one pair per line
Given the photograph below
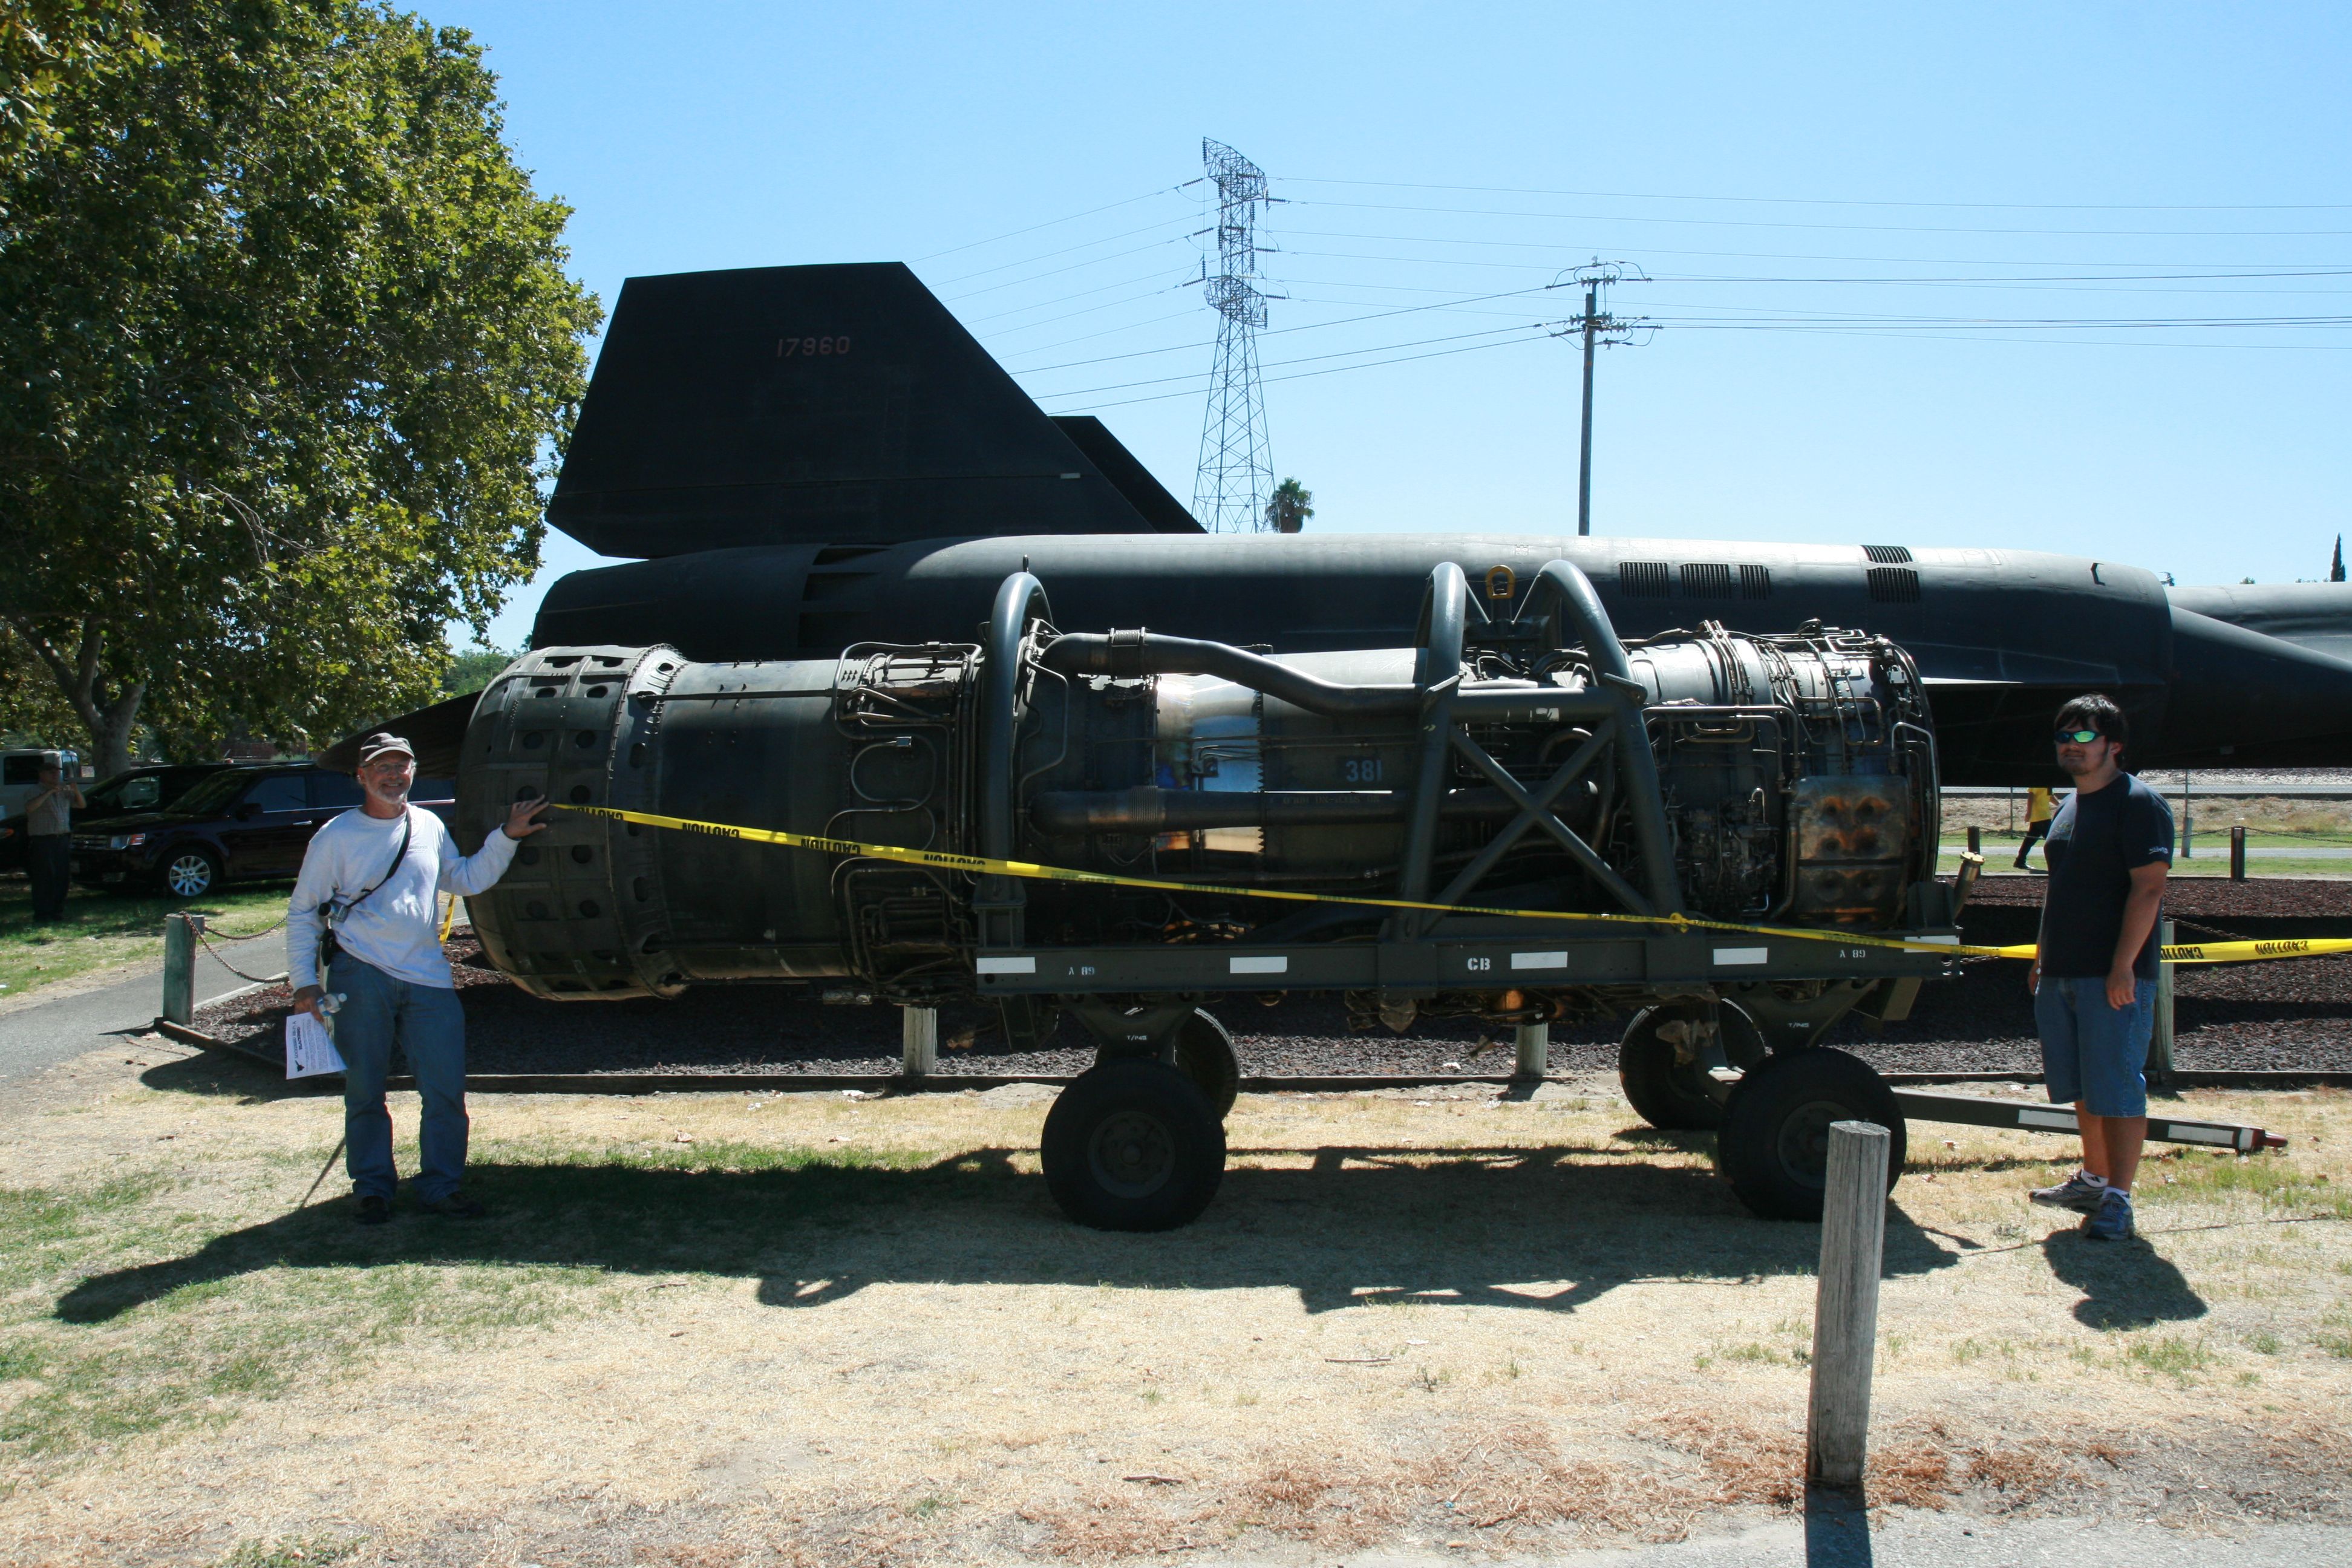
2072, 278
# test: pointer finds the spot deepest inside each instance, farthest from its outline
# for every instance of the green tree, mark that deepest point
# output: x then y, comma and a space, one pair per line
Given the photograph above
286, 349
474, 668
1292, 505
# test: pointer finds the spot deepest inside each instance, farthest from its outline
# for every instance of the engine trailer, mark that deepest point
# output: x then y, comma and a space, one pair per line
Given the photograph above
1731, 838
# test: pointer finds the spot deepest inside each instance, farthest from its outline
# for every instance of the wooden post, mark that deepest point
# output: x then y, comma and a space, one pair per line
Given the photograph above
1976, 839
1535, 1049
2237, 853
920, 1035
180, 967
1845, 1304
2160, 1039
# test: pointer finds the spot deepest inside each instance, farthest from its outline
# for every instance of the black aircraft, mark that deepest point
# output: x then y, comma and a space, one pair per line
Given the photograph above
809, 457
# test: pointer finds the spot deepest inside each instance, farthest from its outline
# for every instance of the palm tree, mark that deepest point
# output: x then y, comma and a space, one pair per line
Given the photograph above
1292, 505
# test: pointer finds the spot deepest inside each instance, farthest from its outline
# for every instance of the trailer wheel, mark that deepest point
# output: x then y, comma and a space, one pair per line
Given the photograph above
1132, 1145
1774, 1146
1673, 1094
1204, 1053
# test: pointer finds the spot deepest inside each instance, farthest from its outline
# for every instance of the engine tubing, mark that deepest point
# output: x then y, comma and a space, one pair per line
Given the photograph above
1436, 673
1020, 600
1562, 593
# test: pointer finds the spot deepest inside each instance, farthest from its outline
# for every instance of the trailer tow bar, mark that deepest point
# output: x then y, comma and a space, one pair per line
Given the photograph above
1975, 1110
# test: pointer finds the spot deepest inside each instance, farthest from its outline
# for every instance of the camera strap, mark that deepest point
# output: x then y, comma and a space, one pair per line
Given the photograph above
337, 912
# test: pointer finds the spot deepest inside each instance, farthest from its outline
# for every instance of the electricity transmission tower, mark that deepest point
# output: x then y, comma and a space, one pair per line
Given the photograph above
1600, 329
1236, 473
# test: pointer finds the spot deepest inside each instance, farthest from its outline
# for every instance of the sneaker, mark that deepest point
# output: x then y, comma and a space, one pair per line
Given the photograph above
457, 1206
373, 1211
2113, 1221
2074, 1193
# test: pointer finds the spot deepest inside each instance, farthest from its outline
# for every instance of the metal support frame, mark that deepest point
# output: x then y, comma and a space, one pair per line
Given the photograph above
998, 901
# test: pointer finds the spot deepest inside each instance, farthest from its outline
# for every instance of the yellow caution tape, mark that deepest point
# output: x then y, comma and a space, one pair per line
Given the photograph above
980, 864
2227, 951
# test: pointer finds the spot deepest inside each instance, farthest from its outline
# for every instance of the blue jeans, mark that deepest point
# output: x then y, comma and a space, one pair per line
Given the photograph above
430, 1026
2092, 1052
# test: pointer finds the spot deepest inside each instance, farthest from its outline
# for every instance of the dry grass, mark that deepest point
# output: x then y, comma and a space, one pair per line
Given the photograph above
814, 1329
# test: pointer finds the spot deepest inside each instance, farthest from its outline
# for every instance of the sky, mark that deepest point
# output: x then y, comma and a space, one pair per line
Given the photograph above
2073, 278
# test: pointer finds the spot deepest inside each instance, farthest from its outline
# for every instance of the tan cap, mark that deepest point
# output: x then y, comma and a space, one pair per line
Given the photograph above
380, 742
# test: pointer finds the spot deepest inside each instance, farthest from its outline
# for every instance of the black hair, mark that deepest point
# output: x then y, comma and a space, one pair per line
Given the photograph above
2095, 710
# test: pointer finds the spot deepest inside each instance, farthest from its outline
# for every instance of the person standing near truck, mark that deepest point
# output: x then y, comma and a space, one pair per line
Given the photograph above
374, 876
2094, 975
48, 840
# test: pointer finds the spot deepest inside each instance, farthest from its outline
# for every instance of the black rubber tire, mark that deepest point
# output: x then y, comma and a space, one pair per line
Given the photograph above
1774, 1146
1204, 1053
1132, 1145
1665, 1092
177, 877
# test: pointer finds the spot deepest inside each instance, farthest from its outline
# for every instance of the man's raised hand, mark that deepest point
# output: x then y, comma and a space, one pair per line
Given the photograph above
522, 820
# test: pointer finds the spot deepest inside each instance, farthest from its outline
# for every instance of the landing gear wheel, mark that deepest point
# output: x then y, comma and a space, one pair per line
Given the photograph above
1664, 1062
190, 874
1204, 1053
1132, 1145
1774, 1147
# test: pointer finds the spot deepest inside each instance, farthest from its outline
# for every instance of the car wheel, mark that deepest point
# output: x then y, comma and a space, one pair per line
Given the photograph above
190, 873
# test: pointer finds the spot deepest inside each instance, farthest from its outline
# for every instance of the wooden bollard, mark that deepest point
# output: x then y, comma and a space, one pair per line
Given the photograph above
180, 967
1535, 1049
1976, 839
1845, 1304
2237, 853
919, 1035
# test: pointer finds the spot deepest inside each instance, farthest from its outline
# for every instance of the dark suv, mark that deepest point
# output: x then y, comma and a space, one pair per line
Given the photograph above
146, 788
242, 824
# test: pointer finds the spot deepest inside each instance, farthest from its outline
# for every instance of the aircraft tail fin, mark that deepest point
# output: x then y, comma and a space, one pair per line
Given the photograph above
837, 404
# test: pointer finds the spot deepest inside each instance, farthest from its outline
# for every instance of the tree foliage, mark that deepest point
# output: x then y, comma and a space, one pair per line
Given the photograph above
286, 349
1292, 504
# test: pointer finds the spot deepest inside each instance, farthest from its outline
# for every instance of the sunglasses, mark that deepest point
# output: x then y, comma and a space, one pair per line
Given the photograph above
2078, 737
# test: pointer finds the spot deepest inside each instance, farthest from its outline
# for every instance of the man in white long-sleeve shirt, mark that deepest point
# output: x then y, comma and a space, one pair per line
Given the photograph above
378, 872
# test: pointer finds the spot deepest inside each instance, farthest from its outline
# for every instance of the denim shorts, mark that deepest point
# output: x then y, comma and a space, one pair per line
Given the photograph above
2092, 1052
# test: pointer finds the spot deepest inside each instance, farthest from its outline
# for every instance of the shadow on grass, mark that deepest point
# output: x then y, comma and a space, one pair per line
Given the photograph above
1545, 1229
2124, 1285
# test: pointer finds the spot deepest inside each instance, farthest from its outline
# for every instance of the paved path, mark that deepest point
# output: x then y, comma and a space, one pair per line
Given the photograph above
1837, 1537
37, 1037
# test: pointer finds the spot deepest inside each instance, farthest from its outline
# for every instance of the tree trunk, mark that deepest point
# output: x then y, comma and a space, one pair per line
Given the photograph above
108, 710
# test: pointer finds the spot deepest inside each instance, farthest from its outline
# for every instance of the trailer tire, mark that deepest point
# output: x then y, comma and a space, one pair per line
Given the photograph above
1674, 1095
1204, 1053
1774, 1146
1132, 1145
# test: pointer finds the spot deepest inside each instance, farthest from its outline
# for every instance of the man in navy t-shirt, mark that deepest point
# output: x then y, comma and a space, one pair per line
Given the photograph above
2094, 981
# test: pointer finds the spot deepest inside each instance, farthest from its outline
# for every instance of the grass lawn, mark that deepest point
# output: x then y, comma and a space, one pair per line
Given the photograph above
805, 1328
101, 930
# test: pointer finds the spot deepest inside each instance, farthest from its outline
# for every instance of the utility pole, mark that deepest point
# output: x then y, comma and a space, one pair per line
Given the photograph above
1236, 472
1600, 329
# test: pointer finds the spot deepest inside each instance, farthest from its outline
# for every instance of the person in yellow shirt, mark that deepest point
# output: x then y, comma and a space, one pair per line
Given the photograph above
2040, 807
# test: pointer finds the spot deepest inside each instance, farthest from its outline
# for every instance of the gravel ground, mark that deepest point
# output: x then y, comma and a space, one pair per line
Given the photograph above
2278, 1017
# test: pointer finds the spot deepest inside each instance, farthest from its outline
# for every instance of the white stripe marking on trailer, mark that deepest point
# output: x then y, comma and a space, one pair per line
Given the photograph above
1260, 966
1743, 954
2064, 1121
1539, 961
1008, 966
2190, 1133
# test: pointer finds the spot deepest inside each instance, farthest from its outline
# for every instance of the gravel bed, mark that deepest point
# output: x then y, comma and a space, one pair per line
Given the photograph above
2292, 1015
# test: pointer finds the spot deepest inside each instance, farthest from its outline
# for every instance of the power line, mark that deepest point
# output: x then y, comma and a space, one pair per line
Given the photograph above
1841, 202
1055, 223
